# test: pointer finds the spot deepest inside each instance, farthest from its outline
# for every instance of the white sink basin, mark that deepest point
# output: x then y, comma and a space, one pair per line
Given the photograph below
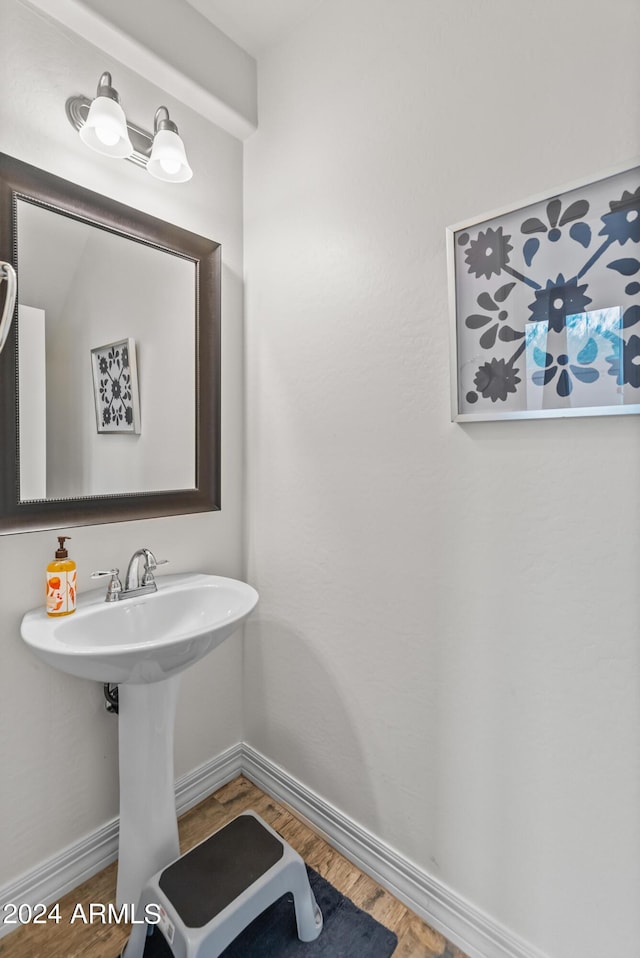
142, 644
144, 639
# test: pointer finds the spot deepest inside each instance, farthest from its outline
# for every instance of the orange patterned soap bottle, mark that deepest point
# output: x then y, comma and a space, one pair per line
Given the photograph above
61, 582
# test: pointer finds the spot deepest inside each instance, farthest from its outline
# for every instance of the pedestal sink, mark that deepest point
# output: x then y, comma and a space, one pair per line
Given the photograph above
142, 644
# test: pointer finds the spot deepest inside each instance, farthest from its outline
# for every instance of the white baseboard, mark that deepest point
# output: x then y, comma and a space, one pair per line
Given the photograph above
202, 781
476, 933
60, 874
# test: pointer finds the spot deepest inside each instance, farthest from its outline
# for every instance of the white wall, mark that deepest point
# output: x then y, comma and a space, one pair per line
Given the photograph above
447, 642
32, 409
58, 746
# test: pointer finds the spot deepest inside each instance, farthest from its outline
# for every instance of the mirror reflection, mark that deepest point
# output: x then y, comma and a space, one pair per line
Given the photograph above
120, 419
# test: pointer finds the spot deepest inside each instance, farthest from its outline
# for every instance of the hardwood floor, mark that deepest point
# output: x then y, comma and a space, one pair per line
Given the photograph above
79, 940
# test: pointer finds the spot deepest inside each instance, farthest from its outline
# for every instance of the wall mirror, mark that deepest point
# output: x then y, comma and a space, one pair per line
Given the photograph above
110, 380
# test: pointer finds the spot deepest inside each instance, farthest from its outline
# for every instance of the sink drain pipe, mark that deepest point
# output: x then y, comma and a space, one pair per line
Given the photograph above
111, 697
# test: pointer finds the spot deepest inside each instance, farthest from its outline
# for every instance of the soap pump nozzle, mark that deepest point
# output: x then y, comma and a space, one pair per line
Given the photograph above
62, 553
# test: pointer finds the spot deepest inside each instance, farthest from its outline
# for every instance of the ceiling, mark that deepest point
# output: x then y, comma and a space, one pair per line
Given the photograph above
255, 24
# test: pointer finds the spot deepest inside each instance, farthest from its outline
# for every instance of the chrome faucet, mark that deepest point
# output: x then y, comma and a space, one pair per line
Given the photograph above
137, 582
139, 579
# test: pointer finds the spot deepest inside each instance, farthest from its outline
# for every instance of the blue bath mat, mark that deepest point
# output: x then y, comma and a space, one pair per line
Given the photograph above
348, 932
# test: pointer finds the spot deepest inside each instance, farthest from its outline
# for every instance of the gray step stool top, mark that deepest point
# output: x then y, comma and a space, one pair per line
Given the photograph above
212, 875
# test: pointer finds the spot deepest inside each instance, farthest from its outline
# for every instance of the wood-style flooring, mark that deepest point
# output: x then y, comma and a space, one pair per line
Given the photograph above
79, 940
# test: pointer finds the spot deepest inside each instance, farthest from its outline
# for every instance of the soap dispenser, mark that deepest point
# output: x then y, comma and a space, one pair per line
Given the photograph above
61, 582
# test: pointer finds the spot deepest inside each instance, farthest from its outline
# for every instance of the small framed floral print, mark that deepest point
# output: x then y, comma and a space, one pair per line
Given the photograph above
545, 305
115, 387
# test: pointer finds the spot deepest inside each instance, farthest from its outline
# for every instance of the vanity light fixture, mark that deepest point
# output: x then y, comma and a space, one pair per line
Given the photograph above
103, 127
168, 160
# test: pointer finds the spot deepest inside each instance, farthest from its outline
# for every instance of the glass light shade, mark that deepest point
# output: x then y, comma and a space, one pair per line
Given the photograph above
105, 129
168, 160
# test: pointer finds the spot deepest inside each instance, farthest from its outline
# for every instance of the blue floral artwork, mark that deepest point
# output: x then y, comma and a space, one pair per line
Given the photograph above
115, 387
546, 305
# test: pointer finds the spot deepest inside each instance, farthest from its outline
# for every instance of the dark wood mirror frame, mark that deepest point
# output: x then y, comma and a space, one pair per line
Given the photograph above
19, 180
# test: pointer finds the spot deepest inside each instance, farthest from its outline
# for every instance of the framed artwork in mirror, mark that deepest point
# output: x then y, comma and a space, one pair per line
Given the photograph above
114, 368
545, 305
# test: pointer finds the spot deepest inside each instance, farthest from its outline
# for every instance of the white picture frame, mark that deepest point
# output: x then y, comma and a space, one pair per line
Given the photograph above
570, 259
116, 391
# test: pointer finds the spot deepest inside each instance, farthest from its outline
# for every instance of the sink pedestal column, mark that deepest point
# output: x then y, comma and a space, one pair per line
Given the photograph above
148, 825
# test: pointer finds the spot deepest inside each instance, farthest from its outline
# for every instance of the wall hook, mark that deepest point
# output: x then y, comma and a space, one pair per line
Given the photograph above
7, 272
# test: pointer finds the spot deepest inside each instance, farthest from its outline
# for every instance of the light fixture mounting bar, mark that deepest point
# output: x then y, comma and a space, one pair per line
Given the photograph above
77, 109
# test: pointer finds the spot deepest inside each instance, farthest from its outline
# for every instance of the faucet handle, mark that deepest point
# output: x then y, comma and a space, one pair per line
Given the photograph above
114, 587
152, 565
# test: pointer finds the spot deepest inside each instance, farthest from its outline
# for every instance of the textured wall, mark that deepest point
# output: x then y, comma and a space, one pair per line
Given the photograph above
447, 642
58, 746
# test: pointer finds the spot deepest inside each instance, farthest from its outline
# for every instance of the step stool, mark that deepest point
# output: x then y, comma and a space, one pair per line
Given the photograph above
211, 893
